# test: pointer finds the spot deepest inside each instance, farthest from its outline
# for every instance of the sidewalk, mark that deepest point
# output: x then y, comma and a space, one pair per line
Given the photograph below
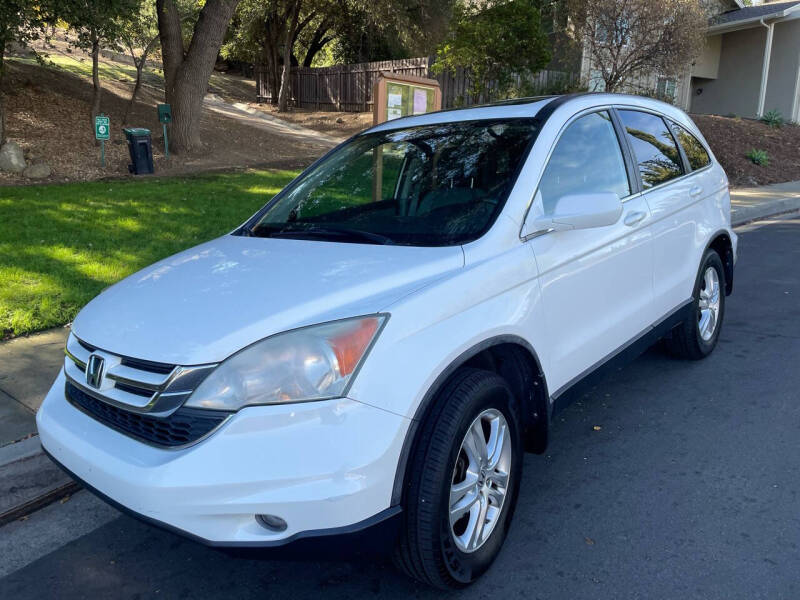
29, 365
748, 204
28, 479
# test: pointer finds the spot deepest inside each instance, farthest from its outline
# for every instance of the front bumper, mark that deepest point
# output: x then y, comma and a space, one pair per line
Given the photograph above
324, 467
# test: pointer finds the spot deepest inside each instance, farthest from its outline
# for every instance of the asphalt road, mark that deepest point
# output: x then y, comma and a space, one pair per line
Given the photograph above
689, 489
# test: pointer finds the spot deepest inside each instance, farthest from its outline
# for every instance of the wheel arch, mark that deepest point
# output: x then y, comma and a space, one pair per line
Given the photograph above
721, 243
514, 359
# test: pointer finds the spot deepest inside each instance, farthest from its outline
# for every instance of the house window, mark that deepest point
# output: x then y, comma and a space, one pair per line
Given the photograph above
596, 81
617, 34
665, 89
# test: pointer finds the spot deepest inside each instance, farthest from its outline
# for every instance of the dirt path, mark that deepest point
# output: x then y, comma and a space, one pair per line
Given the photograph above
246, 115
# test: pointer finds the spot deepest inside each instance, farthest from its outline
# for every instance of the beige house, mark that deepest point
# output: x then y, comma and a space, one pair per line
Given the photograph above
750, 65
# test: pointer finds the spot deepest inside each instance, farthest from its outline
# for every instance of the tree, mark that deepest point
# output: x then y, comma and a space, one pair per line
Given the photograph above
96, 23
497, 40
293, 19
385, 30
139, 32
21, 21
630, 38
187, 71
354, 31
267, 31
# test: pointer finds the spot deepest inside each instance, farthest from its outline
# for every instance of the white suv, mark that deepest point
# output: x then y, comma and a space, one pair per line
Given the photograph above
370, 355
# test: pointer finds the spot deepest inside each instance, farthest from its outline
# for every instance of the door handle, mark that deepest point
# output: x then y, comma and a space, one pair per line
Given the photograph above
632, 218
695, 191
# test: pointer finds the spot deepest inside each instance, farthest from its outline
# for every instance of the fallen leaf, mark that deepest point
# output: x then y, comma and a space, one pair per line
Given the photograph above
589, 541
597, 428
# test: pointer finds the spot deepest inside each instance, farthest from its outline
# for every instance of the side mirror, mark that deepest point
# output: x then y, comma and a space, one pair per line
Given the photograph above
577, 211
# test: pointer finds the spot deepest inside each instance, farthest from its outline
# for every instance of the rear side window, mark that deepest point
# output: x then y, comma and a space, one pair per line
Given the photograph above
695, 152
654, 147
586, 160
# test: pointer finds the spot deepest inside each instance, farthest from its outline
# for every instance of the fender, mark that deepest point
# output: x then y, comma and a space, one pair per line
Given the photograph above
721, 242
430, 396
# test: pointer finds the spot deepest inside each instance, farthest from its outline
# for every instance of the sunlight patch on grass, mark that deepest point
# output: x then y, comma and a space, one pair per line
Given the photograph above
60, 245
82, 66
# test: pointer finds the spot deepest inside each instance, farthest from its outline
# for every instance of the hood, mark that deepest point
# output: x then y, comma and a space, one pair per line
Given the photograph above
206, 303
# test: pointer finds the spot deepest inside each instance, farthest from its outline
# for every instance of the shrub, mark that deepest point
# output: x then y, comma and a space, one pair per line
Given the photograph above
758, 157
773, 118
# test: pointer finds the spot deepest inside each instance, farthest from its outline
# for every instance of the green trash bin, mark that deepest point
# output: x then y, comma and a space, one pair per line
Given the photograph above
141, 150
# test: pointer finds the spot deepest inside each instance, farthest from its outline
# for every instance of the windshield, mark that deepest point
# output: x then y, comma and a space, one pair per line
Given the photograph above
435, 185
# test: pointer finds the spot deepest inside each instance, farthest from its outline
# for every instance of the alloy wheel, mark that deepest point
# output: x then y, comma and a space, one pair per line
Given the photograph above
480, 480
709, 304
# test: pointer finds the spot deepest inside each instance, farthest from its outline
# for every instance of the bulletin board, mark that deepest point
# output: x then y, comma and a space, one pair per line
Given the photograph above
397, 96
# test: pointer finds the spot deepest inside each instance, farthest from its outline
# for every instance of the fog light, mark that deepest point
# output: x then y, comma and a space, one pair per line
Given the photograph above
272, 522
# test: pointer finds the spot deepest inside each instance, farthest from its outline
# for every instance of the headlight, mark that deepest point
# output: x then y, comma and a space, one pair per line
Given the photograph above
312, 363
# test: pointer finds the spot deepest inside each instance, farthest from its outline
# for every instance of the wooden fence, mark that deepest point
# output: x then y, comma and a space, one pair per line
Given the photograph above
349, 87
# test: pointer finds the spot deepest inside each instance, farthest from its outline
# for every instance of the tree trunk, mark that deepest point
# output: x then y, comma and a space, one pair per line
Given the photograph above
318, 42
283, 96
132, 102
275, 75
186, 74
172, 51
2, 113
2, 92
272, 55
140, 64
95, 75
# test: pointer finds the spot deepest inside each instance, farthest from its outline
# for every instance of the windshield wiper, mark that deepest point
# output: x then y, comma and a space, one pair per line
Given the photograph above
326, 232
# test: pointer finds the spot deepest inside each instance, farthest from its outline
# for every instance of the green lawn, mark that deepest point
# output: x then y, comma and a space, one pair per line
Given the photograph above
60, 245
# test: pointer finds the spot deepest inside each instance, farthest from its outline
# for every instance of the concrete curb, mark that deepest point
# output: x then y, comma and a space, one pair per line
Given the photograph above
11, 453
29, 480
744, 214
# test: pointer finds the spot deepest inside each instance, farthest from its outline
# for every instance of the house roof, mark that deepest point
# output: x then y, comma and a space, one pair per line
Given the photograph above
753, 13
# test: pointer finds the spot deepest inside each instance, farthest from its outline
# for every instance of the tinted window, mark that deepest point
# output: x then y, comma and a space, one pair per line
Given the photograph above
654, 147
435, 185
695, 151
587, 159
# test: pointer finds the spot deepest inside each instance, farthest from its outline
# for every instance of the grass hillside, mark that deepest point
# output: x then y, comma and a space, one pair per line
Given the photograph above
48, 114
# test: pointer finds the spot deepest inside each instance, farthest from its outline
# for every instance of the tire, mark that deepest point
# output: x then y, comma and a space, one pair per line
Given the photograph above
691, 340
430, 548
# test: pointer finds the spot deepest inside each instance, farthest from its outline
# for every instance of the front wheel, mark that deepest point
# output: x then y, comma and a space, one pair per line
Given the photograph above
463, 482
697, 337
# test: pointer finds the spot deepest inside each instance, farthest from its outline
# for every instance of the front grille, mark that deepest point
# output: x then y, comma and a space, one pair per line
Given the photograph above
141, 398
132, 389
147, 365
184, 426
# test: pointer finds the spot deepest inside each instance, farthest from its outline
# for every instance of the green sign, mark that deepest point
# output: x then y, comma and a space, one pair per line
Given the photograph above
102, 128
165, 113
